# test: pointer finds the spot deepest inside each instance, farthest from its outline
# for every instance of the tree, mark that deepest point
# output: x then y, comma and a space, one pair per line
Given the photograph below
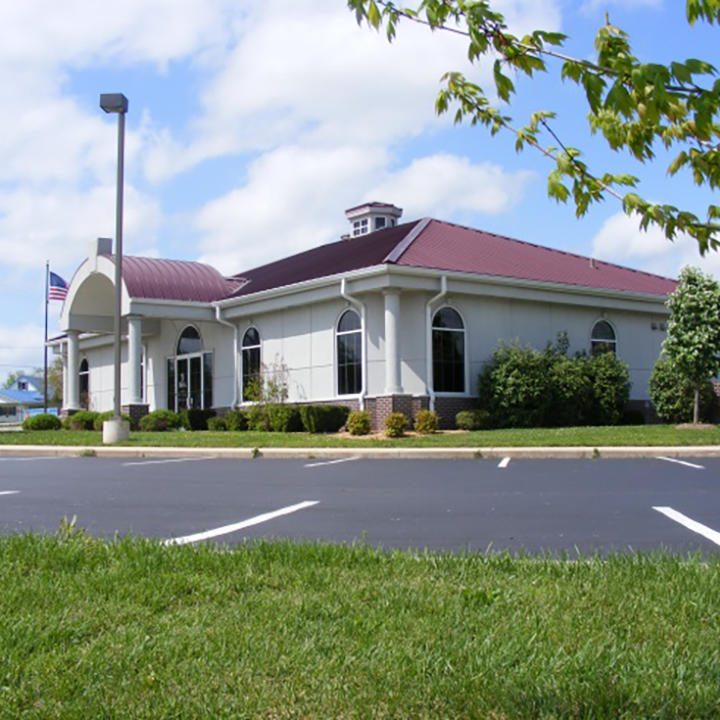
693, 336
634, 105
12, 377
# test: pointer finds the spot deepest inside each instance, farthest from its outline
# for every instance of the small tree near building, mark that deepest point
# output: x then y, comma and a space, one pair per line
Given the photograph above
693, 339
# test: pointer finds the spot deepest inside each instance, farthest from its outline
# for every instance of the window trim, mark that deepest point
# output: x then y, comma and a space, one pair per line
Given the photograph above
466, 354
615, 333
244, 347
336, 360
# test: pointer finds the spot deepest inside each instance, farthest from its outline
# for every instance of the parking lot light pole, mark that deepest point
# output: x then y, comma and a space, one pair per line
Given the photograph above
117, 429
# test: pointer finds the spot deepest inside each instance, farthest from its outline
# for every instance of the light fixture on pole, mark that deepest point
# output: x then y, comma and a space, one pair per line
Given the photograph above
116, 428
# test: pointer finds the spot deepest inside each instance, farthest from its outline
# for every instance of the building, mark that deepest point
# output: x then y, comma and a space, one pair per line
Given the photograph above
392, 317
22, 398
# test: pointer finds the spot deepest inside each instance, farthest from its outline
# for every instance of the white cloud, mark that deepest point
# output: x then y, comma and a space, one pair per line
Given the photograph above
21, 348
621, 240
626, 4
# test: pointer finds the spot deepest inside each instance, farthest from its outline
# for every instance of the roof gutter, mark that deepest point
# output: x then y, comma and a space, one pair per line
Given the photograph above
428, 339
361, 305
235, 352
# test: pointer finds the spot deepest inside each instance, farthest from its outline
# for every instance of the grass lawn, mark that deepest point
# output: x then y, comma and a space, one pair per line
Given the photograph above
516, 437
281, 630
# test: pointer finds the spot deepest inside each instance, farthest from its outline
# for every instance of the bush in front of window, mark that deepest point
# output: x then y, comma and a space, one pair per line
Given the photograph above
473, 420
673, 395
258, 419
159, 421
323, 418
216, 424
42, 421
426, 422
196, 418
81, 420
236, 420
358, 422
103, 416
395, 424
610, 382
284, 418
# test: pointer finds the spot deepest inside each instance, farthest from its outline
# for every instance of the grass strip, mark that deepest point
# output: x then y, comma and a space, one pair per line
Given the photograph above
641, 435
283, 630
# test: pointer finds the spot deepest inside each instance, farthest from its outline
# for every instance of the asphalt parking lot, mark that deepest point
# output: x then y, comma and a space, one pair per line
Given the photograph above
553, 506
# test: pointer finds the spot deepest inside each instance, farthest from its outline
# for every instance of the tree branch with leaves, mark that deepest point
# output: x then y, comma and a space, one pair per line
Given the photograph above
636, 106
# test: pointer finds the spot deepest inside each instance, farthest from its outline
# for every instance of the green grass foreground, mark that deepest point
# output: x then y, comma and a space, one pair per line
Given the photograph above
513, 437
283, 630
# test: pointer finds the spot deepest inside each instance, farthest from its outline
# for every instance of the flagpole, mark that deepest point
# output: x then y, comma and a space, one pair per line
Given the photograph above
45, 383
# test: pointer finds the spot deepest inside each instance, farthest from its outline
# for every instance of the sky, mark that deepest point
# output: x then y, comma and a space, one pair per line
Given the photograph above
253, 125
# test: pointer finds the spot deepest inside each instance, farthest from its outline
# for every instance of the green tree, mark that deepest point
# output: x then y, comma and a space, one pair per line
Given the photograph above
693, 339
635, 105
12, 377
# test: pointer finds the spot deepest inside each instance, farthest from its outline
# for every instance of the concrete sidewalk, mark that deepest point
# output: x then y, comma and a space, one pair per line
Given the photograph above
365, 453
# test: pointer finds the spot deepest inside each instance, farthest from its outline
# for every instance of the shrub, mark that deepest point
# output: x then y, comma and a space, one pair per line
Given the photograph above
160, 421
358, 422
633, 417
81, 420
284, 418
103, 416
610, 381
42, 421
395, 424
426, 422
216, 424
196, 418
673, 395
258, 418
235, 420
323, 418
473, 420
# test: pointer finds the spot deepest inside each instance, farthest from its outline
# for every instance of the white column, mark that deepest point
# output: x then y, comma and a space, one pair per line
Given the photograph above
134, 357
72, 394
392, 354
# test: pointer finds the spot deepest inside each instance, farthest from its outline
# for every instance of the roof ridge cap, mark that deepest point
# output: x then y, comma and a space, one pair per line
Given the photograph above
396, 253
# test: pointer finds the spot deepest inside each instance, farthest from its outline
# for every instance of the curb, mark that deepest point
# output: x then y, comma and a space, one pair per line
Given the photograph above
462, 453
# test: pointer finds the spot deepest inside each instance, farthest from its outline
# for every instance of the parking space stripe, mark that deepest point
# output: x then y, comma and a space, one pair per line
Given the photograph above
9, 492
32, 459
690, 524
681, 462
226, 529
162, 462
504, 462
331, 462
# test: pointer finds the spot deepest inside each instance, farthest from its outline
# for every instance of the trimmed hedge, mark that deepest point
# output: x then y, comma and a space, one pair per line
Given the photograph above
160, 421
358, 422
103, 416
284, 418
217, 424
426, 422
81, 420
196, 418
235, 420
473, 420
42, 421
395, 424
323, 418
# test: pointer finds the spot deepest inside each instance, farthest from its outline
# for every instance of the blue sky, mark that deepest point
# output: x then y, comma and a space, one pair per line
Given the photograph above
254, 123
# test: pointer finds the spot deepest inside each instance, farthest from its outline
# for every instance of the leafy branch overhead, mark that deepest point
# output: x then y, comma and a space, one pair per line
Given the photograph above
635, 106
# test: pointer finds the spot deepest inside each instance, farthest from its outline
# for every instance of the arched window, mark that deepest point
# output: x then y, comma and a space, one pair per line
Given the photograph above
349, 353
190, 373
602, 339
250, 363
84, 384
448, 351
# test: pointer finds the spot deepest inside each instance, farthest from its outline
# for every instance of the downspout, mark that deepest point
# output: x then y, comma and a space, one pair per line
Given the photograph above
428, 339
235, 353
354, 301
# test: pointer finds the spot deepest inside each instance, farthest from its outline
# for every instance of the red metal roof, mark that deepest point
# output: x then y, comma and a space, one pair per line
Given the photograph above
444, 246
174, 280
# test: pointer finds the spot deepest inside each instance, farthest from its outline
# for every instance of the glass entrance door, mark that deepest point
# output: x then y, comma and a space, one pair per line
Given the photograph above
190, 382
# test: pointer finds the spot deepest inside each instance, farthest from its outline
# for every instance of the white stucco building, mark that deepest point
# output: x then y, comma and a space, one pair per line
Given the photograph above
391, 317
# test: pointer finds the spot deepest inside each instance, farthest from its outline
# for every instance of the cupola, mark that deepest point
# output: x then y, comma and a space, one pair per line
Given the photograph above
372, 216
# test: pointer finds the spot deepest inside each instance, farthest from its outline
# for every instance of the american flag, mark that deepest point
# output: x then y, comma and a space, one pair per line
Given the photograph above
58, 288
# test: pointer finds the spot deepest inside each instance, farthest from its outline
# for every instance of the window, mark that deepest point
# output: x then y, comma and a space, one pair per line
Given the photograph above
379, 223
250, 362
190, 374
360, 227
349, 353
602, 339
448, 351
84, 384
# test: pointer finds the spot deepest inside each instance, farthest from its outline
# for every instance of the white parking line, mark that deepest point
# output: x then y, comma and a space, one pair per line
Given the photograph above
504, 462
162, 462
690, 524
9, 492
331, 462
31, 459
681, 462
225, 529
